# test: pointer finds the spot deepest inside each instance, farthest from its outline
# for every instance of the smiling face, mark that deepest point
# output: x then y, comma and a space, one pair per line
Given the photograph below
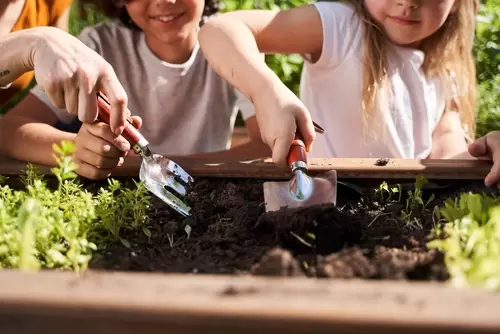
408, 22
166, 21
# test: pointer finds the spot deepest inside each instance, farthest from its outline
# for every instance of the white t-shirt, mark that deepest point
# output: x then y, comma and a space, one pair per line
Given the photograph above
185, 108
331, 89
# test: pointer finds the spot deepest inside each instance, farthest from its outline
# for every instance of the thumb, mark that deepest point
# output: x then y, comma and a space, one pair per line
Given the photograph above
305, 127
281, 147
136, 121
478, 148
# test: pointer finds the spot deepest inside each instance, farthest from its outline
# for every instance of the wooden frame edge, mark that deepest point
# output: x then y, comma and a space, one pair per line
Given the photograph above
265, 169
185, 303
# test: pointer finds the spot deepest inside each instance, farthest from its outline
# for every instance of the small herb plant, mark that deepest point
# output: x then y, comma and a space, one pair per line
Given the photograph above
467, 232
385, 192
411, 212
469, 237
45, 228
415, 205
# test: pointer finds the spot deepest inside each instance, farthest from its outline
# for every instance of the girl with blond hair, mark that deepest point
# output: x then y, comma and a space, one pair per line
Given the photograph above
385, 78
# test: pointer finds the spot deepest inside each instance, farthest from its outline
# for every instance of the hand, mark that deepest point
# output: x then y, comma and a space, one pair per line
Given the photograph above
488, 148
71, 73
99, 150
279, 114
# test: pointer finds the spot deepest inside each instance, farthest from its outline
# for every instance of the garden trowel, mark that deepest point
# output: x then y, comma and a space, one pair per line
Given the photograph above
302, 190
163, 177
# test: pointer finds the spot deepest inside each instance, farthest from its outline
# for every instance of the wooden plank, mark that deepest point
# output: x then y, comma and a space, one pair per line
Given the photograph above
265, 169
103, 302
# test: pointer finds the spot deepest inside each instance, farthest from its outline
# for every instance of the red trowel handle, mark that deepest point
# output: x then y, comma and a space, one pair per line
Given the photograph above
297, 152
130, 133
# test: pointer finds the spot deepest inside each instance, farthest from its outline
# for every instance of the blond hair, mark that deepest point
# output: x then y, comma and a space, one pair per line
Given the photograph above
448, 56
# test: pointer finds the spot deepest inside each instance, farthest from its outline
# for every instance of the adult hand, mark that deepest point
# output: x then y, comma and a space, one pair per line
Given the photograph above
488, 148
71, 73
99, 150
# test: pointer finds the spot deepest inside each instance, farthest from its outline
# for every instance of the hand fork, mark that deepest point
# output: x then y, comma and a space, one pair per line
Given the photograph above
162, 176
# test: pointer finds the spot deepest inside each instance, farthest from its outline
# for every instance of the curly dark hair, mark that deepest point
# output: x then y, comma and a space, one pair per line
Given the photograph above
112, 10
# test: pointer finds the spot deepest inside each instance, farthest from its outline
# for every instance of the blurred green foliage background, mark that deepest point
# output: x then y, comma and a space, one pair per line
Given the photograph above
288, 67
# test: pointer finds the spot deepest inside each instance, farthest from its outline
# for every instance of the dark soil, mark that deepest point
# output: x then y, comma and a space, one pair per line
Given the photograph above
231, 234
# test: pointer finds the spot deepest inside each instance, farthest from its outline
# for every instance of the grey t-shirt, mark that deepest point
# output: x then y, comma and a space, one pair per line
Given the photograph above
185, 108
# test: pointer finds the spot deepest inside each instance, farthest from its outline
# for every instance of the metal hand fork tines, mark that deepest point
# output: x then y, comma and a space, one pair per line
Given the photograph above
162, 176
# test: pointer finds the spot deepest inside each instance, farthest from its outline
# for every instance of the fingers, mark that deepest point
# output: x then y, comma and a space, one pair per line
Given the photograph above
117, 99
493, 177
91, 172
488, 148
87, 103
281, 148
136, 121
104, 138
305, 127
98, 150
492, 145
478, 148
99, 161
71, 98
56, 95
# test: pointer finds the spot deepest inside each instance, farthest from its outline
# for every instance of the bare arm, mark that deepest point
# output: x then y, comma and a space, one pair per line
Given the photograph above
16, 56
27, 132
232, 42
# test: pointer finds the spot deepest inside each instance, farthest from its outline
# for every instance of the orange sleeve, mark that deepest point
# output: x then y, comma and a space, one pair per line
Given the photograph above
56, 9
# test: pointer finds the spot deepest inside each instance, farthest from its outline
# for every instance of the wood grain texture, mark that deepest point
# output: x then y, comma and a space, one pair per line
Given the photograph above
265, 169
105, 302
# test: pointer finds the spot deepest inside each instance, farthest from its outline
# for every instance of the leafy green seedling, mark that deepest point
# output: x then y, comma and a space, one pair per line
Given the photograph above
46, 228
470, 240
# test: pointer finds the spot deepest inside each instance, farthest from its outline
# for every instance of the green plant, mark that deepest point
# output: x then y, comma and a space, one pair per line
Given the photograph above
385, 192
42, 227
120, 209
470, 240
487, 54
415, 204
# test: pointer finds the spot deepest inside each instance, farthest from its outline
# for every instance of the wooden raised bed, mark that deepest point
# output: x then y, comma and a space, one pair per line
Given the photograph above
112, 301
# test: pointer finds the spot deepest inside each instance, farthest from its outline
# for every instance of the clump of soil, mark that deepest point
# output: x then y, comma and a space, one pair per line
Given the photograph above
361, 237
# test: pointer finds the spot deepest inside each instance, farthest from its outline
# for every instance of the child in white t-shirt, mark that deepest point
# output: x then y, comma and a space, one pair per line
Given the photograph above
385, 78
184, 106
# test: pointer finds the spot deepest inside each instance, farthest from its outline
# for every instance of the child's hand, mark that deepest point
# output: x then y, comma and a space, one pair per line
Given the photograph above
71, 73
280, 113
488, 147
99, 150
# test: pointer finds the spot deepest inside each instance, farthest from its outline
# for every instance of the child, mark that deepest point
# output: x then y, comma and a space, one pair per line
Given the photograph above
385, 78
185, 108
17, 15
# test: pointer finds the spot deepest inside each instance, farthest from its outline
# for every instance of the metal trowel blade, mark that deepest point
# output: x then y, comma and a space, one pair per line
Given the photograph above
277, 194
156, 184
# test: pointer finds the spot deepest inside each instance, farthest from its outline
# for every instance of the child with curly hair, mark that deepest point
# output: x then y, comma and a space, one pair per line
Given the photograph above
181, 105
